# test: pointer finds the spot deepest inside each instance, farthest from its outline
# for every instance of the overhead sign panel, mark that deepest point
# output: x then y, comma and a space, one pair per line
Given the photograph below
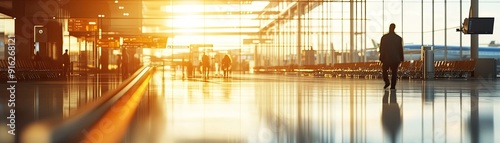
257, 41
82, 24
145, 42
109, 42
201, 45
156, 42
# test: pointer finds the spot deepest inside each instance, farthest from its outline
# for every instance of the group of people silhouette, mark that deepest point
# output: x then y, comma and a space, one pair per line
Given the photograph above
225, 66
65, 62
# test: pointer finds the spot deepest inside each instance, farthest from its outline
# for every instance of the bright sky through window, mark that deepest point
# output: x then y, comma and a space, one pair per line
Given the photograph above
191, 16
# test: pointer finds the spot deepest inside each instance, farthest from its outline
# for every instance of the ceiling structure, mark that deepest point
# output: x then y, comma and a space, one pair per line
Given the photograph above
173, 17
192, 17
207, 18
6, 7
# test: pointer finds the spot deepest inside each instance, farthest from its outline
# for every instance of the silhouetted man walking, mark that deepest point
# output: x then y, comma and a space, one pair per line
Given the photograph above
66, 63
226, 65
391, 55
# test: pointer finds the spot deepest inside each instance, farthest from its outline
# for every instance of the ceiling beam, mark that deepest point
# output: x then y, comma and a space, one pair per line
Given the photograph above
290, 12
150, 13
204, 2
236, 33
6, 8
207, 27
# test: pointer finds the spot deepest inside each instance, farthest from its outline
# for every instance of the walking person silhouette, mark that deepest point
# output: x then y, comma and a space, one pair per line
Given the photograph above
391, 55
206, 65
66, 62
226, 65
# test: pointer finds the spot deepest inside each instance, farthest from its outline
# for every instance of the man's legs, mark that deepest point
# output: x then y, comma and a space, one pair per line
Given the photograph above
205, 72
64, 70
394, 78
385, 75
124, 70
224, 72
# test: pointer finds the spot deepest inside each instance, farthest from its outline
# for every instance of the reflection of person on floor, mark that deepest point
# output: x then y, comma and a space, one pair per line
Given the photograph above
226, 65
206, 65
391, 115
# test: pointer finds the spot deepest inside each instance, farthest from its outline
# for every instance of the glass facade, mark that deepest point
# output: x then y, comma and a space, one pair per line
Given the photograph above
6, 29
341, 31
333, 31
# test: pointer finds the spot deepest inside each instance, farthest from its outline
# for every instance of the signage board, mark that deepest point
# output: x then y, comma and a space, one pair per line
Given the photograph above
145, 42
82, 24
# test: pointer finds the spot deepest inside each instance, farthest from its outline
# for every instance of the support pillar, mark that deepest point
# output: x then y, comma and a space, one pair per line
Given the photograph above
474, 39
299, 33
351, 31
23, 31
28, 15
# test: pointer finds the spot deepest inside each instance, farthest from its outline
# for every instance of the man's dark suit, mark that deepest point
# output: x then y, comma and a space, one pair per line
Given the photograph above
391, 55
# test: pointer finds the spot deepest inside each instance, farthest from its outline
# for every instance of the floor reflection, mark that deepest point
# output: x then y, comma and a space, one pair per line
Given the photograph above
481, 120
391, 115
39, 100
273, 109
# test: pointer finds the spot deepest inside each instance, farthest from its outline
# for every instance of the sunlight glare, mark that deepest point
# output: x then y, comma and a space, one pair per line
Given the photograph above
185, 21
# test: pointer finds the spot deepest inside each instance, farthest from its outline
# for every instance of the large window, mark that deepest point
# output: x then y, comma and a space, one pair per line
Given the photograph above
342, 31
6, 29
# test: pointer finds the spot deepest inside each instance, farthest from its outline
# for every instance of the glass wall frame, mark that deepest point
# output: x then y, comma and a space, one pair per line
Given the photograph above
329, 30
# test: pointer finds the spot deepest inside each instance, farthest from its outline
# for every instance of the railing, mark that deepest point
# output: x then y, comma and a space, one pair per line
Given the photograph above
407, 69
105, 120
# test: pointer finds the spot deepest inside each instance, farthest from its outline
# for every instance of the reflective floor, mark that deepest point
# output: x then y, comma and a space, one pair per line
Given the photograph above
36, 100
276, 108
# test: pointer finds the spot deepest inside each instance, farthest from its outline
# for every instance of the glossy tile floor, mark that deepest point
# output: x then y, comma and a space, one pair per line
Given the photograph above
275, 108
36, 100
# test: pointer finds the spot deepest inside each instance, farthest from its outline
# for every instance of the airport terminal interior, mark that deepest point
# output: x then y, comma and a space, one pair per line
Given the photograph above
247, 71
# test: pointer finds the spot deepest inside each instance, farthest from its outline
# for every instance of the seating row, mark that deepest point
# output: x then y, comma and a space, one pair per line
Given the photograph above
30, 70
407, 69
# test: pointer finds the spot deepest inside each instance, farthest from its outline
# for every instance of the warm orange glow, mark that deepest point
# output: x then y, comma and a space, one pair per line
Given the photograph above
186, 21
191, 18
112, 125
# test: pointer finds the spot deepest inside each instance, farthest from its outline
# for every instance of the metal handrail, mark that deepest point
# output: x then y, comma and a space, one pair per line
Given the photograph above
71, 129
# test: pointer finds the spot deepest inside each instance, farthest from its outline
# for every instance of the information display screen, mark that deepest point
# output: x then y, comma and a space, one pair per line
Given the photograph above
479, 25
145, 42
82, 24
